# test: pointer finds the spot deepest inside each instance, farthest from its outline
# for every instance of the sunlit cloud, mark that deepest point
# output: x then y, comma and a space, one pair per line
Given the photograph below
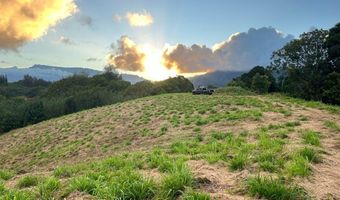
139, 19
128, 56
239, 52
143, 60
26, 20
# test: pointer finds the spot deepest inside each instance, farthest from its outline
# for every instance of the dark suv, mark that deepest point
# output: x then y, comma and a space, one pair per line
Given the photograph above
202, 90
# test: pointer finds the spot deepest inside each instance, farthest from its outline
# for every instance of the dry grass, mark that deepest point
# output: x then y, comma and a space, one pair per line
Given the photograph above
164, 122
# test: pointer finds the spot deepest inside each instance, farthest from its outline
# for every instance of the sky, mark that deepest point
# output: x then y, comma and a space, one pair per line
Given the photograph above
155, 38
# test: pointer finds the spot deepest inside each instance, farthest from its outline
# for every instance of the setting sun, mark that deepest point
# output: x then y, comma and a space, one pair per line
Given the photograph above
153, 65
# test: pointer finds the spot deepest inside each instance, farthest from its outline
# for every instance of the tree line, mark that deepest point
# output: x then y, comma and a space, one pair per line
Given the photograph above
307, 67
33, 100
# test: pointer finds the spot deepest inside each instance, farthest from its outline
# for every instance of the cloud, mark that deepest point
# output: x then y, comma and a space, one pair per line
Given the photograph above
23, 21
240, 52
128, 56
66, 41
85, 20
92, 59
139, 19
189, 59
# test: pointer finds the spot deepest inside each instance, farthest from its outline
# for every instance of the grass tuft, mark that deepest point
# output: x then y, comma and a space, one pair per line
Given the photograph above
174, 184
28, 181
191, 195
311, 137
6, 174
273, 189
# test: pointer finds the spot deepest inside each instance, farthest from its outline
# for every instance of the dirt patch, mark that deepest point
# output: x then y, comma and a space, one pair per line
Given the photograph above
79, 196
217, 181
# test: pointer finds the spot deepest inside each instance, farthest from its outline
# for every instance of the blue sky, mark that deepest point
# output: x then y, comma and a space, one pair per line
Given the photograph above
174, 21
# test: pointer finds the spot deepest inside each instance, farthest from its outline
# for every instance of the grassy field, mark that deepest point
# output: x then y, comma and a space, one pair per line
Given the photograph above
231, 145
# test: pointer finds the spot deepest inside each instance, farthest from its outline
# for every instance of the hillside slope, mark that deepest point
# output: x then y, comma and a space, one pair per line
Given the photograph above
213, 144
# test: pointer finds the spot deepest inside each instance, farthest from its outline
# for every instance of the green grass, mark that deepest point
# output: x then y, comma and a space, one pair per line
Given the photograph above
311, 137
332, 125
238, 162
310, 154
273, 189
298, 166
175, 183
6, 174
28, 181
191, 195
48, 188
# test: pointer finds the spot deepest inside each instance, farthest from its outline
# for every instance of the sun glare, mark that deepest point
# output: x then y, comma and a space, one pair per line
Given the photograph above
153, 65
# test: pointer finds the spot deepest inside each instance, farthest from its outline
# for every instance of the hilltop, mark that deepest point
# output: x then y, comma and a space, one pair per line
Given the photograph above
231, 145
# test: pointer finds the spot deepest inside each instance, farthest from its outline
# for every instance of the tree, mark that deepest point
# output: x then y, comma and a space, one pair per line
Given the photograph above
303, 65
34, 113
331, 93
3, 80
333, 45
260, 83
246, 79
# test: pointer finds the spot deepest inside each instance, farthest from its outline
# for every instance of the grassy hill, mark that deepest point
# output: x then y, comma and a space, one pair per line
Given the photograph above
231, 145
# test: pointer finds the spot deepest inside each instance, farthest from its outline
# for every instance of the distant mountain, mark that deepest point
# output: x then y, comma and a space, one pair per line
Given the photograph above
53, 73
216, 78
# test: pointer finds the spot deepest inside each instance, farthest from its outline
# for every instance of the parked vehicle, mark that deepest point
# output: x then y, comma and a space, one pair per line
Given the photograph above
202, 90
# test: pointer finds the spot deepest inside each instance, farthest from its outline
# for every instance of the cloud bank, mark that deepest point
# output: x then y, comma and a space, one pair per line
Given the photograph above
128, 56
240, 52
25, 20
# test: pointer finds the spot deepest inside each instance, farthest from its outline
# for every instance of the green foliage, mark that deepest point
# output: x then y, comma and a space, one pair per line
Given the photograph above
258, 79
3, 80
273, 189
260, 83
72, 94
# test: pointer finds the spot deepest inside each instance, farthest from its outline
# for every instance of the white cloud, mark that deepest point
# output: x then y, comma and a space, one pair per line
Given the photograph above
139, 19
240, 52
